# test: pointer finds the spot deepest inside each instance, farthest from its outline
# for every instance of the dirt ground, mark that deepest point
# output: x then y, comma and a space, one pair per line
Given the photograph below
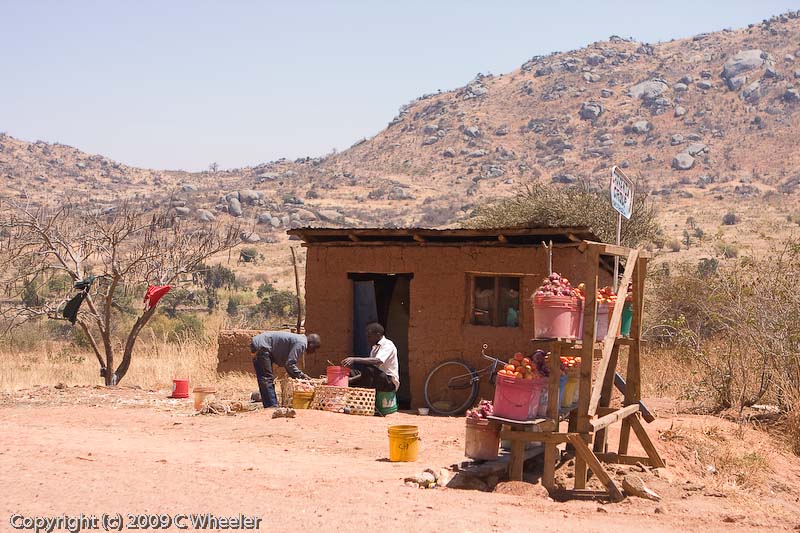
94, 450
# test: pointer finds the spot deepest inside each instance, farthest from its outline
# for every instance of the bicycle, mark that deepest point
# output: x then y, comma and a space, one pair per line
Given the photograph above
453, 386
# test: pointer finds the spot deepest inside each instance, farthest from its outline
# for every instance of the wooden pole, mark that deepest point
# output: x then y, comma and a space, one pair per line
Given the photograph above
587, 356
297, 290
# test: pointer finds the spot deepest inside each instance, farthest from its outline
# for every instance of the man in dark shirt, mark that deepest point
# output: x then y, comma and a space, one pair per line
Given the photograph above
283, 349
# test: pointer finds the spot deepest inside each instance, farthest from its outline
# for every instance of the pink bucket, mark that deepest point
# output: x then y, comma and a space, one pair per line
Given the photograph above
604, 311
338, 376
513, 397
552, 317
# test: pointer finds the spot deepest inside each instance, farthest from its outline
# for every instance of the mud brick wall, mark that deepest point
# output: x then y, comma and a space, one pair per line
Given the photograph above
233, 353
439, 327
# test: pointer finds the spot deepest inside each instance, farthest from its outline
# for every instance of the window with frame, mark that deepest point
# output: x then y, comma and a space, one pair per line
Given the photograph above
494, 301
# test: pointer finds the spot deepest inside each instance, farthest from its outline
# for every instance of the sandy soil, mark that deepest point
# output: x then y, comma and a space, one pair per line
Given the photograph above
95, 450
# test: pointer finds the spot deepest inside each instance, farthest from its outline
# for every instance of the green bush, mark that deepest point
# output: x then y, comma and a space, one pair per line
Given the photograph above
233, 306
277, 304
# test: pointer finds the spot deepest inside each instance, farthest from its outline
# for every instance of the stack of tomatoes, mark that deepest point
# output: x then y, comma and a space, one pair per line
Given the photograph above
606, 295
519, 366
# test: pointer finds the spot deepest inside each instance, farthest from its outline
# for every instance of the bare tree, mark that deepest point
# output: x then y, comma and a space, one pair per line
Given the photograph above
126, 250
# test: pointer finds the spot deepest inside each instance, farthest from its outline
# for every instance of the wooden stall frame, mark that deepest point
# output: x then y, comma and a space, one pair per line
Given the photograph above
586, 434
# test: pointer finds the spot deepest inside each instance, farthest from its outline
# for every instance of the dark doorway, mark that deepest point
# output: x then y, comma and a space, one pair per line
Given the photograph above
384, 298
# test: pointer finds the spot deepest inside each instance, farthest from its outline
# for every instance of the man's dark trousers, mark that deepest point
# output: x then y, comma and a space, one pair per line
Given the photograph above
262, 363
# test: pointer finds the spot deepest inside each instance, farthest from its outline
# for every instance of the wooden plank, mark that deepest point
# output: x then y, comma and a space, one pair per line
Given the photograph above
613, 249
612, 418
533, 436
619, 383
647, 444
499, 466
537, 424
613, 326
615, 458
591, 460
600, 438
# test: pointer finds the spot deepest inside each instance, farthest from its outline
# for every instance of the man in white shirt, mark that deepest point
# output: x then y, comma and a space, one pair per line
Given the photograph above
379, 371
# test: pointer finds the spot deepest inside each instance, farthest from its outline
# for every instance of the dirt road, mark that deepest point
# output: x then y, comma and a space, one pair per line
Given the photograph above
94, 451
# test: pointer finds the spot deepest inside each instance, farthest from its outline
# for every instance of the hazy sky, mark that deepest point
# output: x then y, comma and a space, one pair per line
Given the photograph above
180, 84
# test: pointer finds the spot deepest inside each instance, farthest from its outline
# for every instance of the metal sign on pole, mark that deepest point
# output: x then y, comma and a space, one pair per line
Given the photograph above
621, 190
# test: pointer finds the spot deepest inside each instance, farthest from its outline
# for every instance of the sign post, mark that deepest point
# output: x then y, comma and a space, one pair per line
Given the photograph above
621, 190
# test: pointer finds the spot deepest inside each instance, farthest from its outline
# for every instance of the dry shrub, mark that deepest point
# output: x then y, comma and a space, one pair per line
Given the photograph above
576, 205
735, 329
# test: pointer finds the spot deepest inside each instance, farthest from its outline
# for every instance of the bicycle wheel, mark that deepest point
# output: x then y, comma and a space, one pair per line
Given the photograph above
451, 388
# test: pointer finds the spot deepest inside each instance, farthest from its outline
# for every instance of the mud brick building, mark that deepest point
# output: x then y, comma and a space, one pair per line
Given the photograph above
441, 294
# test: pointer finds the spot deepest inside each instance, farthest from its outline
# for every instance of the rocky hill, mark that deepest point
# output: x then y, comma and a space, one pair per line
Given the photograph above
708, 124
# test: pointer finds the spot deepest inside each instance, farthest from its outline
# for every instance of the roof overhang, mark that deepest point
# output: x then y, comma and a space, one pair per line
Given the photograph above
510, 236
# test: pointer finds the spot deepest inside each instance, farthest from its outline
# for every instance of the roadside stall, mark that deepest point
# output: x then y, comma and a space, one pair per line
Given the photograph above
561, 395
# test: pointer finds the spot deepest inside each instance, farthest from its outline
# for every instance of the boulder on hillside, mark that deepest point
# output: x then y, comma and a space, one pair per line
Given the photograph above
682, 161
743, 61
264, 218
565, 179
641, 126
448, 152
234, 207
791, 95
752, 93
249, 196
595, 59
705, 85
250, 237
204, 215
431, 139
679, 111
680, 87
188, 187
399, 193
735, 83
182, 211
648, 90
695, 149
590, 110
676, 139
473, 132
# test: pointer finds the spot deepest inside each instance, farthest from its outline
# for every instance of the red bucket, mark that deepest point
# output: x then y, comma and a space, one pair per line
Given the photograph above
180, 388
514, 396
553, 317
338, 376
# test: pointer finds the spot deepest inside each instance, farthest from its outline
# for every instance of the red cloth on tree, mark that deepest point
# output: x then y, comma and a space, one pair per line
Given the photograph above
155, 293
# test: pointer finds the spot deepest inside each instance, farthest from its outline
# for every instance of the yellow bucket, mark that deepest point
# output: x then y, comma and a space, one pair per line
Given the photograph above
570, 397
302, 399
403, 443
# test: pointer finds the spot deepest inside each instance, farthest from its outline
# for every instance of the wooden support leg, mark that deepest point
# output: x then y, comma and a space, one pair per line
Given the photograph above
589, 457
517, 460
549, 470
600, 438
644, 439
624, 437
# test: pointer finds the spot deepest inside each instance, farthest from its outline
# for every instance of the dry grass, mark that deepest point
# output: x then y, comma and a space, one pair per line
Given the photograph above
155, 362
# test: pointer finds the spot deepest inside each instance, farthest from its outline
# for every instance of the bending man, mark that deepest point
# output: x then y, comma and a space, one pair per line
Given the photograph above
283, 349
379, 371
